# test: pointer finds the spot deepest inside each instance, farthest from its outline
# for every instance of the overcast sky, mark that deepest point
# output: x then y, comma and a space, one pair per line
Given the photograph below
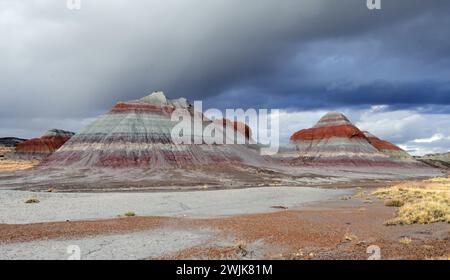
388, 70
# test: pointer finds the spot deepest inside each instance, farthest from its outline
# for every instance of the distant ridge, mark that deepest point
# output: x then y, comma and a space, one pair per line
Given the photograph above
10, 141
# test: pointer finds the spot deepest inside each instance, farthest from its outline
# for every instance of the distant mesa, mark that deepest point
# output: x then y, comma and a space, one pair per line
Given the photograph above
10, 142
137, 133
335, 140
43, 146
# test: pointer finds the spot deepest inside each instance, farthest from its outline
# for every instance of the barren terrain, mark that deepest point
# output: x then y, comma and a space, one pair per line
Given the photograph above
340, 226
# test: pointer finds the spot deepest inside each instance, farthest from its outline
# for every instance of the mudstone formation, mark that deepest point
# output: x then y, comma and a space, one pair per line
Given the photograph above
137, 133
388, 148
335, 140
45, 145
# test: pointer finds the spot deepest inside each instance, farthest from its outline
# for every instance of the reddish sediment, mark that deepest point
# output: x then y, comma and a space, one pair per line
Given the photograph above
51, 141
381, 144
239, 127
123, 107
43, 145
340, 131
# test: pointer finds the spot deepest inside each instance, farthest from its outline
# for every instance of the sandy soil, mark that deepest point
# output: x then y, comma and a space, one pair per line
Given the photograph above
337, 229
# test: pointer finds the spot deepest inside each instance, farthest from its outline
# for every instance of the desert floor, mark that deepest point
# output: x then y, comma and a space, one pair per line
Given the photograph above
339, 220
259, 223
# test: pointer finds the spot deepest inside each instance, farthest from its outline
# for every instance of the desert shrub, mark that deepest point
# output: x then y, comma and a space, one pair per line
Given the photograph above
32, 200
130, 214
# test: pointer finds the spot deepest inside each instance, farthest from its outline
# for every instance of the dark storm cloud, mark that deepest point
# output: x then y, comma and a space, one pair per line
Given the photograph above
60, 64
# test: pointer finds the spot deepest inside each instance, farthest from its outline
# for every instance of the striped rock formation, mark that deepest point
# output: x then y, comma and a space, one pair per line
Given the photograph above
45, 145
335, 140
388, 148
238, 127
137, 133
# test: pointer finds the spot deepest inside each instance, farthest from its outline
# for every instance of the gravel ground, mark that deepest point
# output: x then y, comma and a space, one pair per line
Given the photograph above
197, 204
139, 245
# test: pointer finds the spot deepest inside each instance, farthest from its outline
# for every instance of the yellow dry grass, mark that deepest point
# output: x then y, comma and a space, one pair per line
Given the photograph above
419, 202
4, 150
16, 164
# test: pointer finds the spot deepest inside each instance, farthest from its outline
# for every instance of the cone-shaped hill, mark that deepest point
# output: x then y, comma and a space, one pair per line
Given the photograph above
137, 133
335, 140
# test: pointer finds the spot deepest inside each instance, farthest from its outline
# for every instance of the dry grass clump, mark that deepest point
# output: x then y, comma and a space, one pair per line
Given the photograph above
350, 237
439, 180
241, 248
32, 200
394, 203
424, 202
405, 240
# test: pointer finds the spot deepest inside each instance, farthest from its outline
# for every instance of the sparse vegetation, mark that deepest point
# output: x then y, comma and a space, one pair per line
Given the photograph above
393, 203
130, 214
241, 248
17, 164
405, 240
350, 237
32, 200
423, 202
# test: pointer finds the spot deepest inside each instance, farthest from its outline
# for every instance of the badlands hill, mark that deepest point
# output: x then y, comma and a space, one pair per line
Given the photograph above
131, 148
335, 140
137, 133
45, 145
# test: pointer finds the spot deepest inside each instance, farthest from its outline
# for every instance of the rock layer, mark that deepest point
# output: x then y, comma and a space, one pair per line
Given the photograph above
335, 140
238, 127
45, 145
388, 148
137, 133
